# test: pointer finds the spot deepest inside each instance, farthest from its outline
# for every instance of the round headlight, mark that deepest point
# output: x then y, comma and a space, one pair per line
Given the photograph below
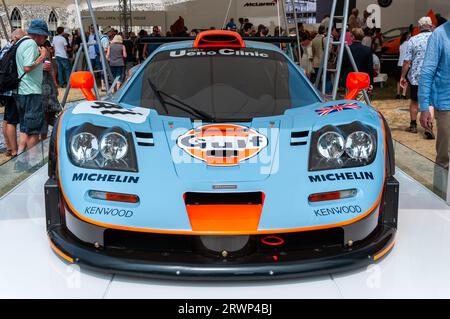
359, 145
331, 145
84, 147
113, 146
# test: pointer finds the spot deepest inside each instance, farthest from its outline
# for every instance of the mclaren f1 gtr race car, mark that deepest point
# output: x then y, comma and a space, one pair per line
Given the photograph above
219, 160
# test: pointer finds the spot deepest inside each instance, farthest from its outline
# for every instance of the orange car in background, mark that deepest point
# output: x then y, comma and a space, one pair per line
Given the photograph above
391, 45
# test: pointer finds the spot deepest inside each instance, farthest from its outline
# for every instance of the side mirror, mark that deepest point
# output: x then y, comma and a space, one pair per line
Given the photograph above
85, 82
356, 82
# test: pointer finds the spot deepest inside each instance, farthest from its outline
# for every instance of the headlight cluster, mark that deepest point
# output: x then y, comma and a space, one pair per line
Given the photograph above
96, 147
345, 146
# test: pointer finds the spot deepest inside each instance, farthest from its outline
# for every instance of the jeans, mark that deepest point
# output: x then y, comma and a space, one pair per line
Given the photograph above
64, 68
443, 152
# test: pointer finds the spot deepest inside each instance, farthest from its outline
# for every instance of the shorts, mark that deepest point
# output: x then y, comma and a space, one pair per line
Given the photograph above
118, 71
31, 113
415, 93
398, 73
11, 115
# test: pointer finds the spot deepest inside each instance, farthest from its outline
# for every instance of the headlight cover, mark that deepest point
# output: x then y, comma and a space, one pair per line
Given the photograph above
84, 147
331, 145
113, 146
346, 146
359, 145
96, 147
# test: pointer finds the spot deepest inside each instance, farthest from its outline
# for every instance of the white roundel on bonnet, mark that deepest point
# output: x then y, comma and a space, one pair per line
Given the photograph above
135, 115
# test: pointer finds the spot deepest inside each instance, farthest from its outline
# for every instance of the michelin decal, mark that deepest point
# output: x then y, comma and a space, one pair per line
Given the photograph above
112, 178
346, 176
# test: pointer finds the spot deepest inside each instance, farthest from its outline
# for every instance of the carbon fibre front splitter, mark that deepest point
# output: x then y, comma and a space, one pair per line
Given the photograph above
188, 266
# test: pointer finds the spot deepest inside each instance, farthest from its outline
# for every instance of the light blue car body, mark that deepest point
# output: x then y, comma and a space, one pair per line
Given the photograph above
283, 175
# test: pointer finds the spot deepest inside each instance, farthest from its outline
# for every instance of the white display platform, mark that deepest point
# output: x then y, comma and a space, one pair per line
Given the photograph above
418, 266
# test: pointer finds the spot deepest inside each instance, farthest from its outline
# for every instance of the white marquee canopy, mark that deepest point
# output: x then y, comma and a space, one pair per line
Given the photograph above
112, 5
95, 3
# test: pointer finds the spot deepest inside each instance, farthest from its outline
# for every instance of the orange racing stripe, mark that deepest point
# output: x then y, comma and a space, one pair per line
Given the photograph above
60, 253
384, 251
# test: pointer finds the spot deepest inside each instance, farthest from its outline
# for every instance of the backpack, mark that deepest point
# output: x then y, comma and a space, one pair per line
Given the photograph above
9, 77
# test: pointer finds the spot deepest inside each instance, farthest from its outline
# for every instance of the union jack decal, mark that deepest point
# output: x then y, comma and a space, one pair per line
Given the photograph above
337, 108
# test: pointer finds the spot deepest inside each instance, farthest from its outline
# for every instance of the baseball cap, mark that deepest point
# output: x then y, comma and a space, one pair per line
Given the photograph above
107, 29
425, 21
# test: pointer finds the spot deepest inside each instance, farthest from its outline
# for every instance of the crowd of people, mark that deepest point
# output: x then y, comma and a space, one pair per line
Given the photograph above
422, 69
45, 66
34, 101
365, 43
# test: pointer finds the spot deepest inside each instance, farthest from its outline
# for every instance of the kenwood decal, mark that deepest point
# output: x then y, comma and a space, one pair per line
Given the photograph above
115, 212
94, 177
340, 210
341, 177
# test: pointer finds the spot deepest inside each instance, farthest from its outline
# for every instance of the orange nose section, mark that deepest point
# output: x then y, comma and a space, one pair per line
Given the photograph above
221, 215
224, 219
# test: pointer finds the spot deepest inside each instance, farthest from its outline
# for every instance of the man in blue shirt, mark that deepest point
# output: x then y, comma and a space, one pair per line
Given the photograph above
231, 25
434, 91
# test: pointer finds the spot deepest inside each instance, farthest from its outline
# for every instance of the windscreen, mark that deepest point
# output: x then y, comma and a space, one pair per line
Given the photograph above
222, 84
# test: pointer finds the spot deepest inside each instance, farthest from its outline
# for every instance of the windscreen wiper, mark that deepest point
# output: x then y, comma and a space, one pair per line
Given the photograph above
181, 105
158, 95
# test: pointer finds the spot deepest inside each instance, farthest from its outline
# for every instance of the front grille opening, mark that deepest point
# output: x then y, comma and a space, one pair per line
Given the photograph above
299, 138
245, 248
309, 240
300, 134
144, 135
145, 139
145, 241
252, 198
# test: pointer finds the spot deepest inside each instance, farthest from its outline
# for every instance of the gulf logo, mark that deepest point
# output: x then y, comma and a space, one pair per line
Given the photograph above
222, 144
